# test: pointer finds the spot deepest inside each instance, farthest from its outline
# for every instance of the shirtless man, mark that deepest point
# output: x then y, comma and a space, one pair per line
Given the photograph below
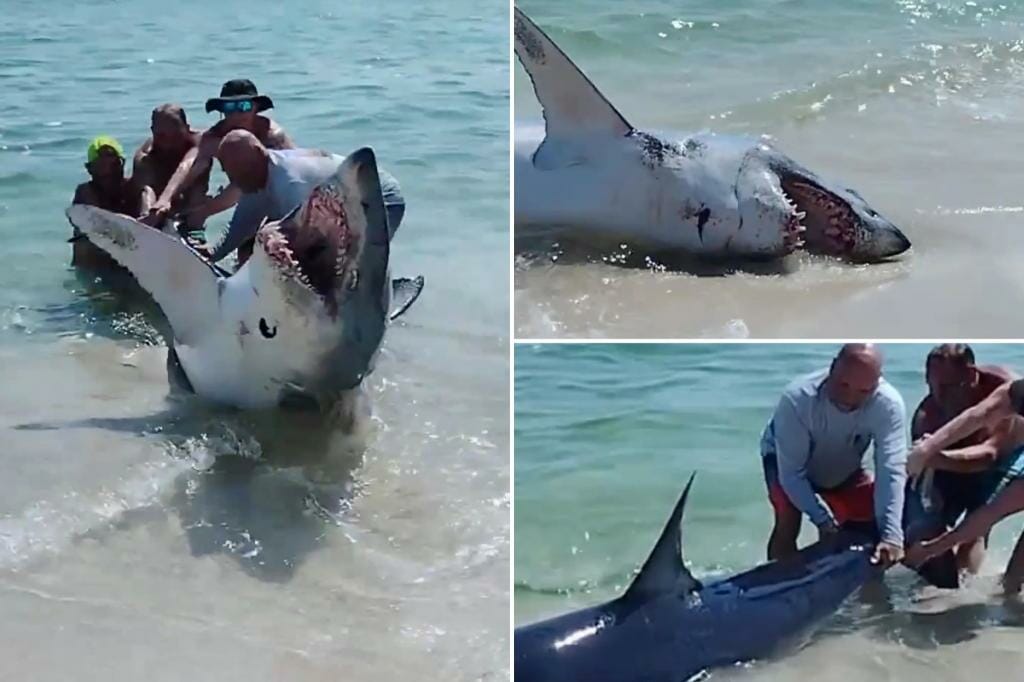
955, 384
107, 188
241, 105
273, 182
1001, 415
159, 157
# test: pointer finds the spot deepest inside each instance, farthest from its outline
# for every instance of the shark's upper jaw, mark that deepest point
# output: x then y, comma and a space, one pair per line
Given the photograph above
824, 223
838, 223
314, 247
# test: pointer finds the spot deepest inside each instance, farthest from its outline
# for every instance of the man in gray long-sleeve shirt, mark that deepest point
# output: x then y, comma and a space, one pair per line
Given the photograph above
815, 446
273, 182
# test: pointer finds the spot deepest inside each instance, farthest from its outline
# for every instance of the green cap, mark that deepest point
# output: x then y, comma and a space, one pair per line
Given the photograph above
99, 143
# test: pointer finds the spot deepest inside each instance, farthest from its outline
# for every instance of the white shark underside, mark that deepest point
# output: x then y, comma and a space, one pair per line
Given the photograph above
305, 315
589, 169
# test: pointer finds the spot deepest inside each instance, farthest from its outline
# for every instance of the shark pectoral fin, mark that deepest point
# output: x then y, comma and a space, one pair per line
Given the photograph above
572, 105
404, 293
179, 280
664, 570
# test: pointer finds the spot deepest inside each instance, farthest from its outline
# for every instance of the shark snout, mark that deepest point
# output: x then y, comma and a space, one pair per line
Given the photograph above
878, 239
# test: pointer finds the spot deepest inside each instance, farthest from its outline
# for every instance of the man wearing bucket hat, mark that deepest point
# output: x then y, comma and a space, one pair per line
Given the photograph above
107, 188
242, 105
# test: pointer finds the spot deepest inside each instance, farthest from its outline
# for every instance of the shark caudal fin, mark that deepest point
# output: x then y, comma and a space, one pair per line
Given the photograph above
179, 280
664, 570
572, 105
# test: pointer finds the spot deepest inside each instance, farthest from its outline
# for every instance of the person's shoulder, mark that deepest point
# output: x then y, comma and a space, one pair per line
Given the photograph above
211, 137
805, 385
276, 137
926, 416
84, 194
144, 150
995, 375
888, 396
926, 408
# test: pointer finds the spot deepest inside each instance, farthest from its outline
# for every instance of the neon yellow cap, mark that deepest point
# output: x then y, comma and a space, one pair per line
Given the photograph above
99, 143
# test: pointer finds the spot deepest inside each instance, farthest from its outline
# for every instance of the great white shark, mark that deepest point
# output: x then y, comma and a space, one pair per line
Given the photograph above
669, 626
710, 195
304, 317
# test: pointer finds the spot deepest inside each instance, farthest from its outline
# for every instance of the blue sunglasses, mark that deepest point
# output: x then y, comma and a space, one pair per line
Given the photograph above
231, 107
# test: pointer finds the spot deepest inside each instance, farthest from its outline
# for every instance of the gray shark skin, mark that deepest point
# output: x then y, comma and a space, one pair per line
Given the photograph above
668, 626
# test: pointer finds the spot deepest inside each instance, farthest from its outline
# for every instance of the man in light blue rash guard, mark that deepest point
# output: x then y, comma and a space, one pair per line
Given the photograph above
274, 182
815, 445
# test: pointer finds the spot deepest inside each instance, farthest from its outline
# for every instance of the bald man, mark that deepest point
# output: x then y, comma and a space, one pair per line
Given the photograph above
815, 444
273, 182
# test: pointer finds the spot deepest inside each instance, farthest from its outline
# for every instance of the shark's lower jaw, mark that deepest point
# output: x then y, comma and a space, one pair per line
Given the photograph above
317, 253
819, 220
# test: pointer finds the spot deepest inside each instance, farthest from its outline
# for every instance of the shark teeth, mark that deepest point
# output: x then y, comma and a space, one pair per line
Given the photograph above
839, 230
288, 268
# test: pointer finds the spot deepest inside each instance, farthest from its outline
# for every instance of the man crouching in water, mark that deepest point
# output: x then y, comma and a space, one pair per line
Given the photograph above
815, 445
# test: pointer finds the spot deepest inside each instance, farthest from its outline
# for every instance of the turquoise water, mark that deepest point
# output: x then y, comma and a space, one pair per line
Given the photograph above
741, 63
426, 86
381, 556
914, 103
607, 435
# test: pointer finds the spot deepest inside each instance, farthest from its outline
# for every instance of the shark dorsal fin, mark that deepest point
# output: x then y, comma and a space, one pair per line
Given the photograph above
571, 103
664, 570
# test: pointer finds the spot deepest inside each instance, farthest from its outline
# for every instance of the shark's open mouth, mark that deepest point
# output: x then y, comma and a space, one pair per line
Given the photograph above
313, 246
820, 220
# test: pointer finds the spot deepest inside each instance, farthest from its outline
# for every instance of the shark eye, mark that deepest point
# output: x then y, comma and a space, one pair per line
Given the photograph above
266, 330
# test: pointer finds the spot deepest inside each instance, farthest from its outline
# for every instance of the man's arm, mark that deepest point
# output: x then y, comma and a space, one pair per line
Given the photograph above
986, 413
979, 522
924, 420
142, 176
196, 161
793, 451
967, 460
890, 438
245, 223
228, 197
